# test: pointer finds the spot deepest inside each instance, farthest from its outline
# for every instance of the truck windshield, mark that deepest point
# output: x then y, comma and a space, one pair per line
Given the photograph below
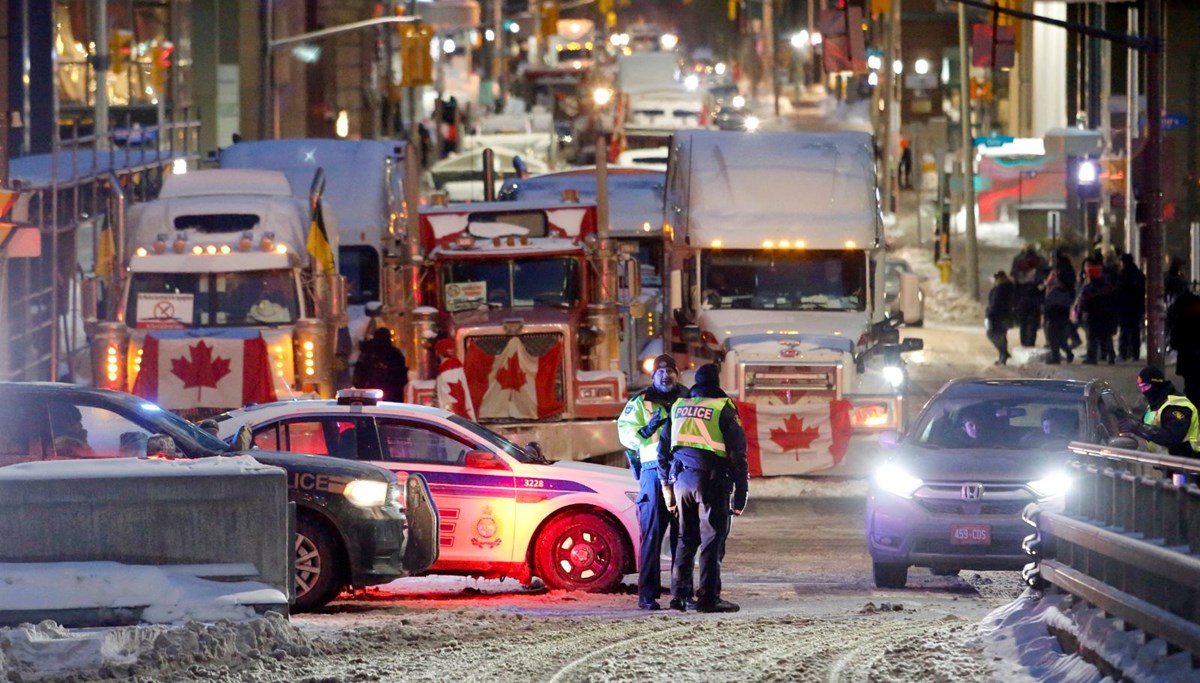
179, 300
796, 280
508, 283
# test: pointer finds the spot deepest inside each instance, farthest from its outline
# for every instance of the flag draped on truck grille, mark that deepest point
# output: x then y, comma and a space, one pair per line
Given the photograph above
795, 439
184, 369
508, 381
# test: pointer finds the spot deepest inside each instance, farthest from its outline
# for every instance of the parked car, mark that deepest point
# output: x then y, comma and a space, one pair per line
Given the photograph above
950, 495
902, 292
506, 511
356, 524
730, 117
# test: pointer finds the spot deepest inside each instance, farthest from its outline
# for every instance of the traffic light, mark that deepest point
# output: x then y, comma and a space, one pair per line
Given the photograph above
548, 10
120, 46
416, 62
160, 62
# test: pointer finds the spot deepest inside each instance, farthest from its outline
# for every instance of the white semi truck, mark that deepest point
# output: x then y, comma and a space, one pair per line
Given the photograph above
776, 258
218, 301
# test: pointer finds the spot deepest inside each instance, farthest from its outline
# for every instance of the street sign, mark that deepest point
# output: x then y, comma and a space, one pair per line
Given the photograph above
1052, 224
1174, 121
926, 81
992, 140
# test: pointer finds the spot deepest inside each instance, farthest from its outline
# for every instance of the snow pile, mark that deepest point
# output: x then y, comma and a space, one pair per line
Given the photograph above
944, 302
47, 651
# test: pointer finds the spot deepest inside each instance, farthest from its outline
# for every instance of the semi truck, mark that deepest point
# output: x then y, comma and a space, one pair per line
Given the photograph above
776, 265
526, 292
218, 301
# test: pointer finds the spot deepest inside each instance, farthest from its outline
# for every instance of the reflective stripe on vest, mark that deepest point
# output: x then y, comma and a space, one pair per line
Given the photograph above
648, 452
1193, 433
696, 423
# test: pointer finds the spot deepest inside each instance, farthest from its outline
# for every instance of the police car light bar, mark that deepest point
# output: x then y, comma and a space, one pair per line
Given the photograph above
359, 397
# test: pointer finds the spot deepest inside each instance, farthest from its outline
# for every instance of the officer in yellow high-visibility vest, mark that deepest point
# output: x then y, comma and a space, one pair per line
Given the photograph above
638, 428
703, 448
1172, 421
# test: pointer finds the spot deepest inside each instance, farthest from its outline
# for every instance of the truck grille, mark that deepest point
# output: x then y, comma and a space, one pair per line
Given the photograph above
789, 382
536, 345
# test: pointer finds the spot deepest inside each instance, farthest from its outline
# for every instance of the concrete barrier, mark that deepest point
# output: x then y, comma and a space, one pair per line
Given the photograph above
221, 518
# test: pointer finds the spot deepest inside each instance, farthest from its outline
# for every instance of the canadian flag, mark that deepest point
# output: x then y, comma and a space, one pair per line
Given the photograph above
452, 389
795, 439
514, 384
218, 370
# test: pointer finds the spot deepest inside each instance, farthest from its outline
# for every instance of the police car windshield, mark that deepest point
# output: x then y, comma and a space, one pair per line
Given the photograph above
494, 439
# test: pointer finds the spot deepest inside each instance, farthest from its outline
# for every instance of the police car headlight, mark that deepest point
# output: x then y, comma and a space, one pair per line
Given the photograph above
366, 493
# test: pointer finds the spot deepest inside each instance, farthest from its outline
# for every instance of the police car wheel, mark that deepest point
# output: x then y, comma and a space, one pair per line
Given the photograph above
318, 576
580, 551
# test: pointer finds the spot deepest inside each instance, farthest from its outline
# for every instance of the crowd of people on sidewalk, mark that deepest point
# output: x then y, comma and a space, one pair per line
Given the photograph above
1105, 299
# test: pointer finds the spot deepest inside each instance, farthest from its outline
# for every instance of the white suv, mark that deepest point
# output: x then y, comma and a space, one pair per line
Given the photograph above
505, 510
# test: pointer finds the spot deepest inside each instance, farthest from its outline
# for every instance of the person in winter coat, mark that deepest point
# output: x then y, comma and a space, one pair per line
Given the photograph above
1131, 308
999, 314
381, 366
1183, 325
1028, 272
1097, 310
1056, 310
638, 428
1065, 273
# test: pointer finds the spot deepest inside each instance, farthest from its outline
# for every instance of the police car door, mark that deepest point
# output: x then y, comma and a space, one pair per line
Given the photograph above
476, 504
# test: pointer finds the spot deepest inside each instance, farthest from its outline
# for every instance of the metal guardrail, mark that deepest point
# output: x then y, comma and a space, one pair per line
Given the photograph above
1126, 541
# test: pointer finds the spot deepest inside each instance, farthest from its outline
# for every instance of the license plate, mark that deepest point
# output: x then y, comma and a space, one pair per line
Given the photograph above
970, 534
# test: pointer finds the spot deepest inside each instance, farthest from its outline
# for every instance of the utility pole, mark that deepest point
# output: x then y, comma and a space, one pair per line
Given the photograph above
968, 154
891, 84
768, 16
5, 25
101, 65
1133, 242
1155, 315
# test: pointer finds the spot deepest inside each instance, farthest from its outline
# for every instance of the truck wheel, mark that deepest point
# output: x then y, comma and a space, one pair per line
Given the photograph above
890, 575
318, 576
580, 551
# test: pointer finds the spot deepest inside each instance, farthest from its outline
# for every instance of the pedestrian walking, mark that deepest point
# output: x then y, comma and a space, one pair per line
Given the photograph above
381, 366
1183, 325
638, 428
1097, 310
1056, 311
1028, 271
701, 447
1067, 278
999, 314
906, 164
1131, 308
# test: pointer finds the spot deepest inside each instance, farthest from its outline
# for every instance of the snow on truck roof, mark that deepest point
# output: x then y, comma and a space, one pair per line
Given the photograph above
772, 184
355, 188
223, 182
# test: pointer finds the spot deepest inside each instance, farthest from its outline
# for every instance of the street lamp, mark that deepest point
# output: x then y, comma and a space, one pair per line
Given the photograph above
921, 66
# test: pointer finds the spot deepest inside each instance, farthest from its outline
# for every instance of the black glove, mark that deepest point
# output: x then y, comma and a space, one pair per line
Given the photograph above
1126, 425
654, 425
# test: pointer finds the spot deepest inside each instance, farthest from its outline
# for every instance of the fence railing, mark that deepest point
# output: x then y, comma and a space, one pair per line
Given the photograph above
1126, 541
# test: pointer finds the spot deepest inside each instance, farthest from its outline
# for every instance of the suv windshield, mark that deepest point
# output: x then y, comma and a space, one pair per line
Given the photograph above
179, 300
1008, 423
798, 280
508, 283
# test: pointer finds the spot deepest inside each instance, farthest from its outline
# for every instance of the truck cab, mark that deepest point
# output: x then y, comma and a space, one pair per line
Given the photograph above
776, 273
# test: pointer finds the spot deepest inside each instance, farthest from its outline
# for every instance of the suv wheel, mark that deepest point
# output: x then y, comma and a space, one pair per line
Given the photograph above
580, 551
890, 575
318, 576
944, 572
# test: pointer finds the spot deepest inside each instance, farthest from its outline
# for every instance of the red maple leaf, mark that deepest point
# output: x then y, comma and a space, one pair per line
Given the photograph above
511, 376
459, 397
794, 436
203, 370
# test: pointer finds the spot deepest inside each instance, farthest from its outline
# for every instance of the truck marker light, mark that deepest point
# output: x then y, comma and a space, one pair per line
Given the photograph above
281, 248
160, 246
225, 249
646, 226
784, 244
768, 244
197, 250
210, 249
716, 244
180, 245
850, 244
141, 251
266, 244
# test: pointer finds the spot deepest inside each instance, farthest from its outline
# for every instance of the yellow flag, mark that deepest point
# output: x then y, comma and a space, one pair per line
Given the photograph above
106, 253
318, 242
7, 199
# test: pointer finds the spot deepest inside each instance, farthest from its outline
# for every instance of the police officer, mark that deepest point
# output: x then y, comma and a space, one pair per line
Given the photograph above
703, 446
638, 428
1171, 421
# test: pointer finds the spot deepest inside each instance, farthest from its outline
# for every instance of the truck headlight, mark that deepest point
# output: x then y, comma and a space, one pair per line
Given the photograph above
894, 479
1056, 484
894, 375
366, 493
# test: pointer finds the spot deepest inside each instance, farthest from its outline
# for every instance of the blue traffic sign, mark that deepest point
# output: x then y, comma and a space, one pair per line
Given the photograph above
1174, 121
992, 140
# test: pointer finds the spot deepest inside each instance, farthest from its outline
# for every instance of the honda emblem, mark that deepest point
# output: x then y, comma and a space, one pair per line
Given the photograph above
972, 491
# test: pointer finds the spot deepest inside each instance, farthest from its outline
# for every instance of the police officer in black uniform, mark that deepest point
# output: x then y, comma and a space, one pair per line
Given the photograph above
701, 448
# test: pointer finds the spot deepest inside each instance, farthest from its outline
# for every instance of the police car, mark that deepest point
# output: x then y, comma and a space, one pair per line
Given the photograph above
356, 524
505, 510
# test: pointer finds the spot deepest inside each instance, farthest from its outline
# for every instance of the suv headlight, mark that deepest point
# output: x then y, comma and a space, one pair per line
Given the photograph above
893, 479
1052, 486
366, 493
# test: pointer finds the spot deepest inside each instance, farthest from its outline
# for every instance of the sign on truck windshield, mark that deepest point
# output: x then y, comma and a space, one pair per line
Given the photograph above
508, 283
178, 300
795, 280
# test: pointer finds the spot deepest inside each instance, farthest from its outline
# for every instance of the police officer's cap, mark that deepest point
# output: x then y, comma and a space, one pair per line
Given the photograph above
667, 361
708, 375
